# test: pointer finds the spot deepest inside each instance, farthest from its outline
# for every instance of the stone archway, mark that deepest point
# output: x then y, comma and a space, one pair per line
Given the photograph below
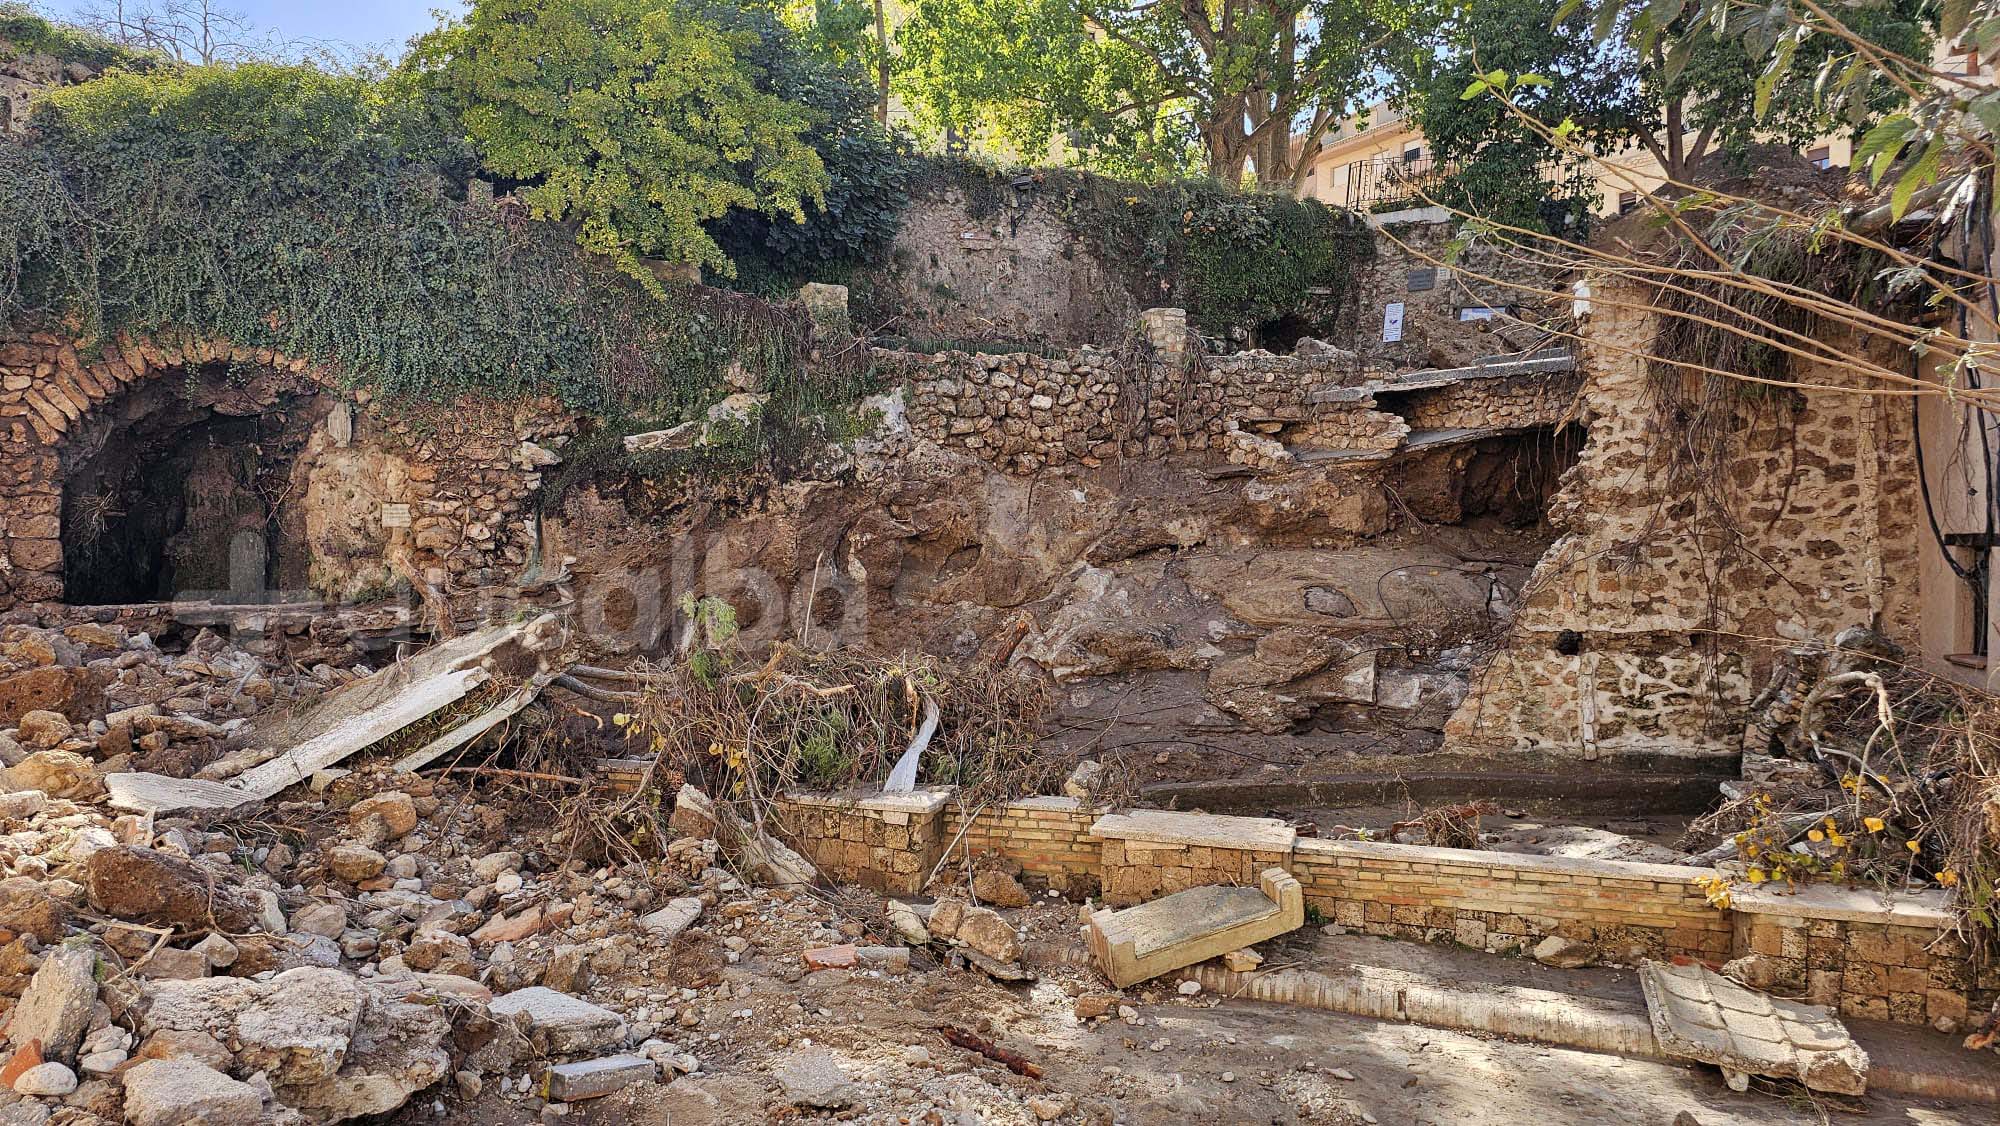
187, 486
120, 441
60, 409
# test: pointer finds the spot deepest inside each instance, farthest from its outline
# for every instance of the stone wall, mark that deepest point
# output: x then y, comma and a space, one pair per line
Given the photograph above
1415, 266
1650, 622
1025, 411
1904, 962
1882, 956
1507, 903
449, 483
1017, 274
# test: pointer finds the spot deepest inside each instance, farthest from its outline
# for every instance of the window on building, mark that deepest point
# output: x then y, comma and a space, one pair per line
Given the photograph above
1968, 61
1412, 155
1820, 157
1627, 201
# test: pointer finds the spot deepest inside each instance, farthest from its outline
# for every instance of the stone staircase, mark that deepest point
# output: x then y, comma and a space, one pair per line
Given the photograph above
1192, 926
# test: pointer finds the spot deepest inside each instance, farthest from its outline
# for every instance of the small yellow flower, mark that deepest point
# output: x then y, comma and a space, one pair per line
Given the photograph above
1947, 878
1912, 846
1815, 836
620, 720
1875, 824
1756, 875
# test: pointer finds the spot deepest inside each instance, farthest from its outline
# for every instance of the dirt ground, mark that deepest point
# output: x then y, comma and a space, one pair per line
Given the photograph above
1175, 1059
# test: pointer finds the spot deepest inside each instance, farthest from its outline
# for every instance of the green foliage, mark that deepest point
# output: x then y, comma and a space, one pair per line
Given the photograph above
22, 32
1148, 90
282, 207
637, 118
1503, 169
1604, 77
1230, 258
868, 168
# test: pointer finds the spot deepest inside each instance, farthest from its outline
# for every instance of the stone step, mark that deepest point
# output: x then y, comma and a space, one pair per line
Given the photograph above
1192, 926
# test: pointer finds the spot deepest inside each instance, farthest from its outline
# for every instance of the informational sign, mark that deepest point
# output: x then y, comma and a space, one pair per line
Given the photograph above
1420, 280
1480, 313
395, 516
1392, 323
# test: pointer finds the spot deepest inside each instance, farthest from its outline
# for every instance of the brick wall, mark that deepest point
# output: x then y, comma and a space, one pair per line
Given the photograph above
1899, 961
1048, 837
1507, 903
1884, 958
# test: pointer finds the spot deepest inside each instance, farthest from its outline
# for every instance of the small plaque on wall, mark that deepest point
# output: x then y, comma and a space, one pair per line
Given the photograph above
1421, 279
395, 516
1392, 323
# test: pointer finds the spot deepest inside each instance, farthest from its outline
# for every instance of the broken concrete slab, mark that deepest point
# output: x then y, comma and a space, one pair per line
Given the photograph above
1699, 1014
356, 716
333, 1046
479, 725
669, 922
559, 1024
592, 1079
1193, 926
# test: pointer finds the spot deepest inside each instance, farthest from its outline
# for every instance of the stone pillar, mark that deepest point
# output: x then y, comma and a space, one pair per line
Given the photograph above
1166, 330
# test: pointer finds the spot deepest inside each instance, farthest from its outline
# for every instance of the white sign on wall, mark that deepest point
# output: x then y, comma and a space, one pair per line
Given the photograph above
1392, 323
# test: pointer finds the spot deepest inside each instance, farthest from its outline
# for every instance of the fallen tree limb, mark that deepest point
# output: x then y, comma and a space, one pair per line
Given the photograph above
973, 1042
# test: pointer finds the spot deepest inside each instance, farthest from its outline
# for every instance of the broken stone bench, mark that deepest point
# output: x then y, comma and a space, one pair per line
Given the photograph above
1192, 926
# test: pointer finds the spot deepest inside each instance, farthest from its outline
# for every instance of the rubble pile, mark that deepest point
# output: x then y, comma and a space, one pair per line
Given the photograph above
81, 700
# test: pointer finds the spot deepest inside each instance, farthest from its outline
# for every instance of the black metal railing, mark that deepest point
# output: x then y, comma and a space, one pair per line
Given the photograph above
1388, 183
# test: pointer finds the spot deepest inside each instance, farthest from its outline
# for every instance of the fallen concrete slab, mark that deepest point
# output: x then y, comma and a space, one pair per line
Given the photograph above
357, 716
1597, 1009
1192, 926
1700, 1015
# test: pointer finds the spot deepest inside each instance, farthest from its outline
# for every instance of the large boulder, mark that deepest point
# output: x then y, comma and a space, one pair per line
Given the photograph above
142, 885
59, 774
332, 1046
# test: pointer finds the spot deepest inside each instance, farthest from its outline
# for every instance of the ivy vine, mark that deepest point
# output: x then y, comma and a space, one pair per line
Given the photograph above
283, 207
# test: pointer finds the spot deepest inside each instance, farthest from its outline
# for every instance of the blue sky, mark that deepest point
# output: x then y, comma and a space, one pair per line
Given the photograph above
359, 23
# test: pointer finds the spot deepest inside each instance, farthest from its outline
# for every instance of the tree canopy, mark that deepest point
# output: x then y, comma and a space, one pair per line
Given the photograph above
640, 120
1611, 79
1149, 88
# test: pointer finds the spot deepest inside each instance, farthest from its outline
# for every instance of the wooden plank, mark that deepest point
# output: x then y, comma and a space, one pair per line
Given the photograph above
478, 725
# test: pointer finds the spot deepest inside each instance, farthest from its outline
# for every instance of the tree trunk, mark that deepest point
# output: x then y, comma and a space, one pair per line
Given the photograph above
881, 65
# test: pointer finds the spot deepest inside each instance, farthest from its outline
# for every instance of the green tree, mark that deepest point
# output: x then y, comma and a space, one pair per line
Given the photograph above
1503, 168
1609, 86
640, 120
868, 168
1146, 87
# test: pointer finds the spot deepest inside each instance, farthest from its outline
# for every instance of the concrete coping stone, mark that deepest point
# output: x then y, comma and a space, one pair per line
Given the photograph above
1256, 834
1930, 908
1567, 865
1051, 803
917, 801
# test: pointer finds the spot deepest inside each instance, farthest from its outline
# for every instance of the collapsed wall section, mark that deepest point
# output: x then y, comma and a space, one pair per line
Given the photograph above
1705, 526
1878, 956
